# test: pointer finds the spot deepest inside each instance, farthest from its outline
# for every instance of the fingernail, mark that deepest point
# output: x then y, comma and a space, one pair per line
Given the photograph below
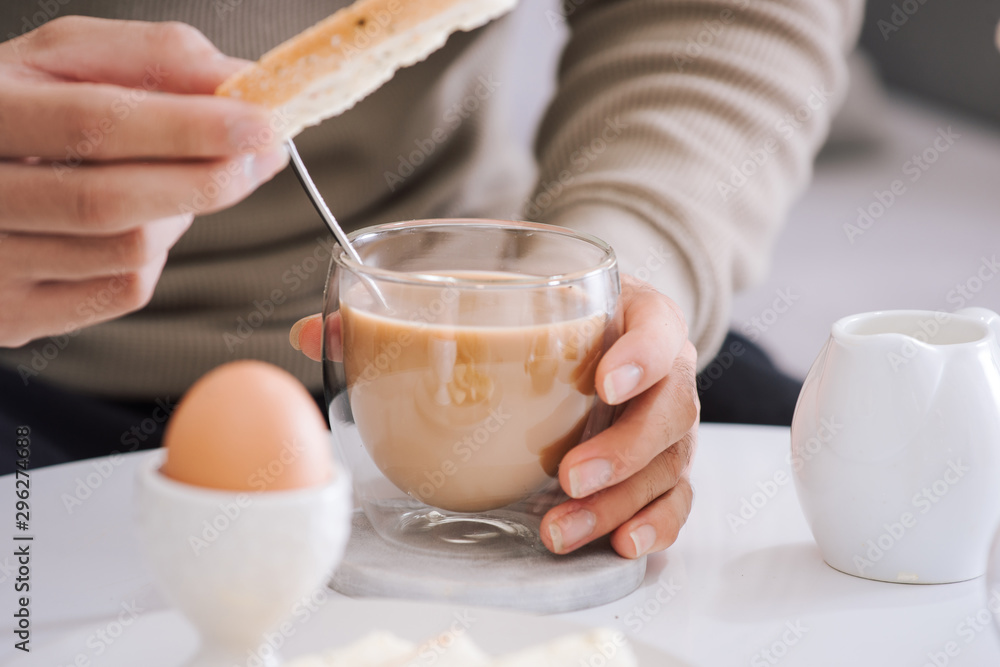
588, 477
643, 537
571, 529
250, 132
263, 166
621, 382
293, 335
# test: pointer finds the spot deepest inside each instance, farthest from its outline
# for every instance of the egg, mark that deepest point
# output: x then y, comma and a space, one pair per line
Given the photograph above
248, 426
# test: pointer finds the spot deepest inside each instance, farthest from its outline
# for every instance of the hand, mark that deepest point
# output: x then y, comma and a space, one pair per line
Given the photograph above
632, 479
110, 144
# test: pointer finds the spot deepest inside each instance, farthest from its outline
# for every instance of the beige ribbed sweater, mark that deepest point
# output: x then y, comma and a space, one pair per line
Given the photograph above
680, 132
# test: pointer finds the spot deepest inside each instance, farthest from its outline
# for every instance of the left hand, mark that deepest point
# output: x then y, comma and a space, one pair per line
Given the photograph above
632, 479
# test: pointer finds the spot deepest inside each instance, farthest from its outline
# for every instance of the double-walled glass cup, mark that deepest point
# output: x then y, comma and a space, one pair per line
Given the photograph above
459, 369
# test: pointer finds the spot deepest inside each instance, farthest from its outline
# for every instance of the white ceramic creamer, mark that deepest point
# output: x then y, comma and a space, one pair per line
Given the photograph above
896, 445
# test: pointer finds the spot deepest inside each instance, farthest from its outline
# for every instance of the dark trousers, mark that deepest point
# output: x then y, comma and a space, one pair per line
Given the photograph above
741, 385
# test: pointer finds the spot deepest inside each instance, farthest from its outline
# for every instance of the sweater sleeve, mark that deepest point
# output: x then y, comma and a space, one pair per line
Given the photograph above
681, 132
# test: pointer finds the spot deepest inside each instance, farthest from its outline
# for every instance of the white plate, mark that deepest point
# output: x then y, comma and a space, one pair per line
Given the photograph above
164, 639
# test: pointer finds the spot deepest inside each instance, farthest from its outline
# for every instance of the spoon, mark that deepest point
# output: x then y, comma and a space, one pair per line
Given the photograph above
324, 211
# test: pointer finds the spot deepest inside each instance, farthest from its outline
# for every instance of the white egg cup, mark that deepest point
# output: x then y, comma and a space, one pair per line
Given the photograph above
236, 564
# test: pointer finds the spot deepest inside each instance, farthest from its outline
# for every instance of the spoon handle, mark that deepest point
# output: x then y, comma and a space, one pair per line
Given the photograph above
324, 211
317, 200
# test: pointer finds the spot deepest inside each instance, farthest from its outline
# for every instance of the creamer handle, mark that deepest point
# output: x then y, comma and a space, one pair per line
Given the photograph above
984, 315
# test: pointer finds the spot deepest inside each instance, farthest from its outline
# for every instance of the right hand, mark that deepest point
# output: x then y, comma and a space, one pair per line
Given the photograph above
110, 144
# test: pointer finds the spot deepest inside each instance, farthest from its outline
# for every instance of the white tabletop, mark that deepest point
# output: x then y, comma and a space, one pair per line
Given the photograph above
723, 595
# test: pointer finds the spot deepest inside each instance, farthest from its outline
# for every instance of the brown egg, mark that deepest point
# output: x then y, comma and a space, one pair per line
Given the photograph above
248, 426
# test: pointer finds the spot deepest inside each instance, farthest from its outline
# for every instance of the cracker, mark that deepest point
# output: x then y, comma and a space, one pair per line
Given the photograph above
327, 69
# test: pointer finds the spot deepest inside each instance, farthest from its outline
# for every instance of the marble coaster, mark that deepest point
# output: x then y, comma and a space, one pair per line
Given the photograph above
534, 580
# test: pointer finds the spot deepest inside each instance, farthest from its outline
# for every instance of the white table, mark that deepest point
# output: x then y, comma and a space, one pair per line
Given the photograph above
720, 596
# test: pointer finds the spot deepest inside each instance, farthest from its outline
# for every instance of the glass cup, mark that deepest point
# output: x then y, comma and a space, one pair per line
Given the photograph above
459, 369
